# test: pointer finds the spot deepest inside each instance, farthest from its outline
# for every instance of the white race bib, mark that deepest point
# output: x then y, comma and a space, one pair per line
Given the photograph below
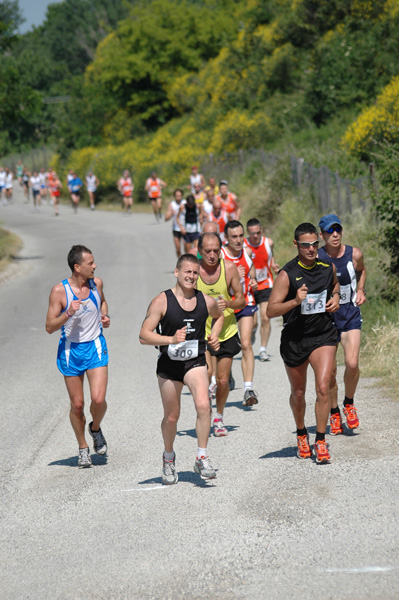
345, 294
314, 303
184, 350
261, 274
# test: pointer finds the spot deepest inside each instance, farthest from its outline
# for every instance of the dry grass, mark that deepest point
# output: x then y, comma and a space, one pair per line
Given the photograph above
379, 356
10, 244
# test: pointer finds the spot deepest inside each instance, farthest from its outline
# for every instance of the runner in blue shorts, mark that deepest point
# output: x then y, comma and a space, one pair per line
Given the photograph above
78, 308
351, 274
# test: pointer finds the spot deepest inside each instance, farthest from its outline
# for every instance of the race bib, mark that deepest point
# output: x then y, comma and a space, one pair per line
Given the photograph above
345, 294
184, 350
261, 274
314, 303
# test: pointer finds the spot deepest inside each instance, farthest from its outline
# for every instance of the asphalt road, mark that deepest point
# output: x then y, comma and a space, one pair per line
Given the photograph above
270, 526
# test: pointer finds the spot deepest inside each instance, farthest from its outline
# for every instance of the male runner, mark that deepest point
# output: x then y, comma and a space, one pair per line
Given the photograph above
212, 186
75, 185
229, 201
172, 212
2, 186
19, 171
188, 219
43, 184
153, 187
78, 307
179, 317
240, 256
196, 178
351, 274
219, 216
126, 187
36, 186
217, 278
92, 183
306, 293
262, 256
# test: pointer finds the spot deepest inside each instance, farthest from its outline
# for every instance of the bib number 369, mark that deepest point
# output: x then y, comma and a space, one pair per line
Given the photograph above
184, 350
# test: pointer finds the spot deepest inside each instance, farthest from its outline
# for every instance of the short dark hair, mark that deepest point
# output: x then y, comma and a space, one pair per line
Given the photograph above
178, 190
304, 228
208, 234
187, 257
232, 225
190, 198
253, 222
75, 255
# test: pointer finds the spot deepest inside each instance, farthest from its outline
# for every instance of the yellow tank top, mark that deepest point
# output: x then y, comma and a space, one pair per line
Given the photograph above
219, 288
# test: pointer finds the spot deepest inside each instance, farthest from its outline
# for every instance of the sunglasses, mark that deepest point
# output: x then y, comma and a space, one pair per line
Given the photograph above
308, 244
336, 228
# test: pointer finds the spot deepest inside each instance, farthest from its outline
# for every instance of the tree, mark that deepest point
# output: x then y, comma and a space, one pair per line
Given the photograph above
10, 19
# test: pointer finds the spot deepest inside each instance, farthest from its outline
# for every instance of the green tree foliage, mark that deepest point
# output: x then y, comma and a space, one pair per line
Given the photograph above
10, 20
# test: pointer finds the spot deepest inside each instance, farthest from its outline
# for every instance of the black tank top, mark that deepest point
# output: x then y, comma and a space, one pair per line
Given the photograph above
175, 318
302, 321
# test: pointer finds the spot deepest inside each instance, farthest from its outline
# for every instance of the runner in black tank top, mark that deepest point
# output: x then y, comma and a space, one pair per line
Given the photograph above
305, 293
178, 316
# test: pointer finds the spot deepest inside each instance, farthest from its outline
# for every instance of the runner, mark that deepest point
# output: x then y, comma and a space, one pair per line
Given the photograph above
262, 256
217, 278
25, 184
172, 211
240, 256
305, 294
179, 317
92, 183
75, 185
3, 199
35, 183
229, 201
196, 178
78, 307
153, 187
351, 273
212, 186
219, 216
9, 184
189, 222
19, 171
207, 206
43, 185
199, 194
55, 189
126, 187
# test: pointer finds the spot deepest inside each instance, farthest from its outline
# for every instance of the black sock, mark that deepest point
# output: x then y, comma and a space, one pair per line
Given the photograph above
303, 431
335, 411
320, 437
348, 401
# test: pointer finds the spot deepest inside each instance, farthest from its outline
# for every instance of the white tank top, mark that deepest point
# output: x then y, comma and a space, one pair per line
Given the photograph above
193, 180
175, 209
85, 324
91, 183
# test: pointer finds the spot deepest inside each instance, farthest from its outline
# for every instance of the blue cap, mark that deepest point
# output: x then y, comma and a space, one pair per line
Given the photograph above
328, 221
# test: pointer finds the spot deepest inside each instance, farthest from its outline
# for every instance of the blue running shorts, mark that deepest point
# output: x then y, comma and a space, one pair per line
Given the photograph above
73, 359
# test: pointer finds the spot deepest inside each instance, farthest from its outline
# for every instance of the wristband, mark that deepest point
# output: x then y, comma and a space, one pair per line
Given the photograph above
335, 293
70, 316
106, 316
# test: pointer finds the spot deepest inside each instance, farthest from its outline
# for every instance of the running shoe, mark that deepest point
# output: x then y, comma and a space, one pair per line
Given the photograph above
84, 459
264, 356
250, 398
351, 416
203, 466
232, 382
169, 475
320, 452
219, 429
303, 446
336, 424
100, 445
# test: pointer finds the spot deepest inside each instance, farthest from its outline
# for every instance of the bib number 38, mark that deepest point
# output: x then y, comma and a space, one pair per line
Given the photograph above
314, 303
184, 350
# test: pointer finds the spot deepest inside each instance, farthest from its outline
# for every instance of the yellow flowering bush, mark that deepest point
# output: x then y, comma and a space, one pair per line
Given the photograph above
376, 123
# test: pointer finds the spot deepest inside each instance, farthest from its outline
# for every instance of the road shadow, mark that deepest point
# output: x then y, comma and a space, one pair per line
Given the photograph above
72, 461
184, 477
192, 433
288, 452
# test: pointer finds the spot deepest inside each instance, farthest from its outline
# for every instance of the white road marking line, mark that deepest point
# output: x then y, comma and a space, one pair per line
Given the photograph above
158, 487
360, 570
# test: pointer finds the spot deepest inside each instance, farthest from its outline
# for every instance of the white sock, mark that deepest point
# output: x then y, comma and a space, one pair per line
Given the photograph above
213, 380
247, 385
201, 452
262, 348
218, 416
169, 455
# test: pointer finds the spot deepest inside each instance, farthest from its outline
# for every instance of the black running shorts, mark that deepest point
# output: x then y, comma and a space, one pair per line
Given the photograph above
177, 369
227, 349
262, 295
295, 352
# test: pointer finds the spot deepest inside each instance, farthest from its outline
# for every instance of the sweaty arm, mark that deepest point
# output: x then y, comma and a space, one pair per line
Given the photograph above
155, 312
234, 284
57, 303
217, 316
333, 303
277, 305
361, 276
105, 319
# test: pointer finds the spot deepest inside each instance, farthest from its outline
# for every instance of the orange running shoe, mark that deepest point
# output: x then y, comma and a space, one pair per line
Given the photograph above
336, 424
351, 416
303, 447
320, 452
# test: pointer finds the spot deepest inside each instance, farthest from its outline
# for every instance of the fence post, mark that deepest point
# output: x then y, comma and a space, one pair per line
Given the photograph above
338, 186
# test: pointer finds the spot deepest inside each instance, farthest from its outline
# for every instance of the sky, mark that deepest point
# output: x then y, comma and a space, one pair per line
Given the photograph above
34, 12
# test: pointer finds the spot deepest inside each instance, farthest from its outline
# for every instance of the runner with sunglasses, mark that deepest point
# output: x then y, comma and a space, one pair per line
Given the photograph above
351, 274
305, 294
